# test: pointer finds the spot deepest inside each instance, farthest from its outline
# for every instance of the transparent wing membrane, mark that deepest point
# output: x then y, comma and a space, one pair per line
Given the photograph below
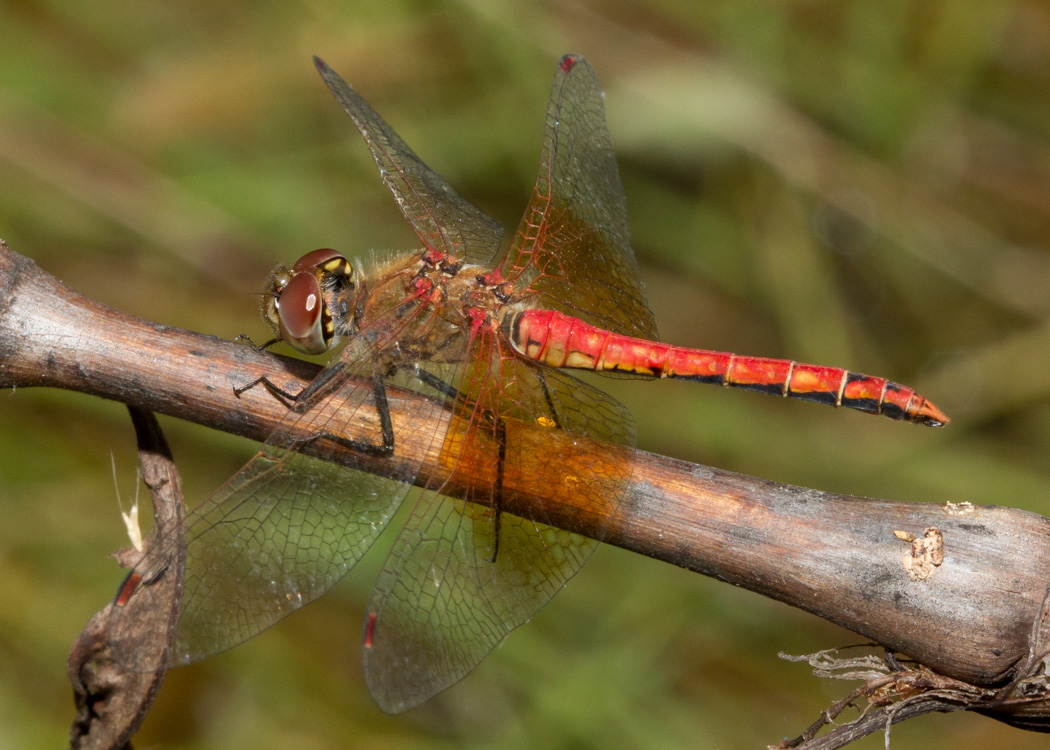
573, 247
442, 218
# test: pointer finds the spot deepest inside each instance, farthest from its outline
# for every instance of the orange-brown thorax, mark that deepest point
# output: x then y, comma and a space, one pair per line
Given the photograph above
425, 301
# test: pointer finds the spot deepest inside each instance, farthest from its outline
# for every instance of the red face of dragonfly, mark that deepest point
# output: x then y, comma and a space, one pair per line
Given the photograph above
484, 337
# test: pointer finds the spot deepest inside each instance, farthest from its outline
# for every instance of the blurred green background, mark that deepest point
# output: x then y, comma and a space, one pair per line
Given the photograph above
863, 184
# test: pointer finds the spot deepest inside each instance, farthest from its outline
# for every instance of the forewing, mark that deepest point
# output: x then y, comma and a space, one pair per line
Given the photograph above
442, 218
450, 592
573, 248
287, 526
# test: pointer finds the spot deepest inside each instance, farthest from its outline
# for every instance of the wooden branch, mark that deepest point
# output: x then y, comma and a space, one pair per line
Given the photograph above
111, 701
970, 612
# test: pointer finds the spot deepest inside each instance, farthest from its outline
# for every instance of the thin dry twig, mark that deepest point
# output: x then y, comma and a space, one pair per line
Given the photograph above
892, 693
111, 701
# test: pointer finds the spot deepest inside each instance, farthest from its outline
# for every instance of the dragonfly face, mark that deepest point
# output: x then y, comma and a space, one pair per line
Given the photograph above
298, 302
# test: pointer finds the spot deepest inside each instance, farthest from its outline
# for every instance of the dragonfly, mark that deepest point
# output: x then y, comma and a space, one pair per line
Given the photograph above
487, 336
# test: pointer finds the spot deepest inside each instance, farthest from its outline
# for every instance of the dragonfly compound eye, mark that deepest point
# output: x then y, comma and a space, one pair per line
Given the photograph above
327, 259
302, 315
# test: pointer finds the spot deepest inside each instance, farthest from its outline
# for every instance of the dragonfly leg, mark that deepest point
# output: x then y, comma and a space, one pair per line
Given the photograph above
257, 347
497, 493
286, 398
302, 399
386, 448
439, 385
548, 399
292, 399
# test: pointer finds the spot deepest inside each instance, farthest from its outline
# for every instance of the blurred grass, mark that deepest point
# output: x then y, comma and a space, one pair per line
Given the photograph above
864, 184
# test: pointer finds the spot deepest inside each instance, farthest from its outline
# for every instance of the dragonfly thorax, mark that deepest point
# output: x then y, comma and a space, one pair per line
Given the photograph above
298, 301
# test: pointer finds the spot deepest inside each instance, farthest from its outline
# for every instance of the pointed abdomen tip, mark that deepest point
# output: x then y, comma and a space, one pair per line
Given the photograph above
930, 415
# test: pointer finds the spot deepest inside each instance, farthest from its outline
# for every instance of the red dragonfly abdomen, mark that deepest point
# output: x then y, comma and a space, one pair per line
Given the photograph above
560, 340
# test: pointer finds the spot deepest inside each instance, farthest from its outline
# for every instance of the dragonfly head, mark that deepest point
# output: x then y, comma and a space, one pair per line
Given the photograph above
296, 300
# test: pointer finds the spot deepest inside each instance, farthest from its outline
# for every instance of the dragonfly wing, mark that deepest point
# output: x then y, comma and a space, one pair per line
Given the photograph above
276, 537
286, 527
460, 576
573, 248
442, 218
